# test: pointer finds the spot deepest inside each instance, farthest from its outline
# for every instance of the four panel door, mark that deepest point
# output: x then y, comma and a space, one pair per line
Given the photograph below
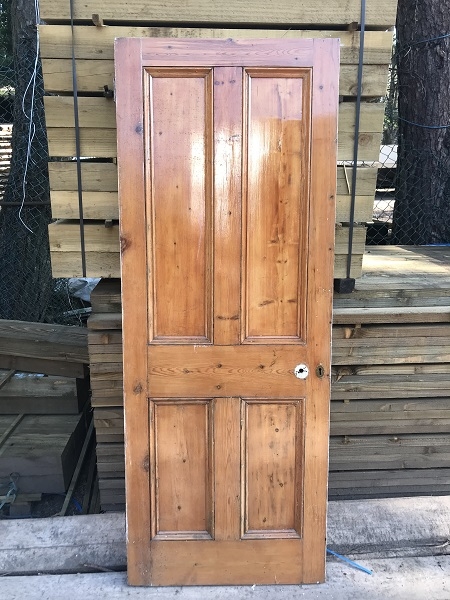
227, 155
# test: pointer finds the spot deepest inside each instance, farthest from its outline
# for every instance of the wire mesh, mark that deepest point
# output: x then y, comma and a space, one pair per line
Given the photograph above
27, 290
412, 201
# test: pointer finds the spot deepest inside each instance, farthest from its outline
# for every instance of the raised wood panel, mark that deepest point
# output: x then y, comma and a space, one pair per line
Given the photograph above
254, 12
272, 446
98, 42
181, 482
93, 75
276, 146
179, 159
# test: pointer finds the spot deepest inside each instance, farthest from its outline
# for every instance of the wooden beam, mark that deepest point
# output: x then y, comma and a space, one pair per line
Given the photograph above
93, 75
92, 43
407, 314
379, 13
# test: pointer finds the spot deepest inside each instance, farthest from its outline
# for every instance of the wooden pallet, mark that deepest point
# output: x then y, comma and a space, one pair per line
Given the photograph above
390, 410
93, 49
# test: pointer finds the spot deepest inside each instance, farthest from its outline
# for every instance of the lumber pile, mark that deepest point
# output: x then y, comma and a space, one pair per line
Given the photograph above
41, 450
390, 397
5, 156
43, 348
93, 48
44, 407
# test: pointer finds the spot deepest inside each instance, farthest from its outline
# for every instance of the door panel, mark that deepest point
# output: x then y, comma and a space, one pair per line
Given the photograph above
179, 169
227, 183
272, 446
276, 147
183, 493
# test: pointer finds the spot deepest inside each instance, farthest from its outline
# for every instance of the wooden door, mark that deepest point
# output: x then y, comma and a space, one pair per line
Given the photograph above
227, 155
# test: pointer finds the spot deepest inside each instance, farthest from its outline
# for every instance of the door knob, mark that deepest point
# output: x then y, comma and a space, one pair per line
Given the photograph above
301, 371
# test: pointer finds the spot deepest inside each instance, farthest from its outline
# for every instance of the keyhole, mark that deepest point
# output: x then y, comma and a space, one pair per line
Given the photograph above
320, 371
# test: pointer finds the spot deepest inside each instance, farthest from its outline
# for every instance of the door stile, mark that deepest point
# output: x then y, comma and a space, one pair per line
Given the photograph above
227, 204
227, 289
320, 277
130, 136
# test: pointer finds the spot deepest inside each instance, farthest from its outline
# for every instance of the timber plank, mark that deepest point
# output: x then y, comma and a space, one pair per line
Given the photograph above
96, 177
61, 368
106, 296
43, 449
68, 264
102, 250
100, 205
391, 332
98, 43
107, 264
43, 341
105, 205
101, 143
40, 395
99, 112
383, 451
252, 12
426, 385
94, 74
388, 478
404, 314
65, 237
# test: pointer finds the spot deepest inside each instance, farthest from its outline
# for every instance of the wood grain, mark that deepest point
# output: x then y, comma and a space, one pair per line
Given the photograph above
98, 43
253, 12
184, 365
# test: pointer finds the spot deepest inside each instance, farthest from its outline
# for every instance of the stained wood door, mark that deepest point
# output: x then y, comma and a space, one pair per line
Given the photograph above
227, 165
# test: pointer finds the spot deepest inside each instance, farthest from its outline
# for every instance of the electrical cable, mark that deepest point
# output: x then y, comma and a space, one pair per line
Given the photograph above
32, 126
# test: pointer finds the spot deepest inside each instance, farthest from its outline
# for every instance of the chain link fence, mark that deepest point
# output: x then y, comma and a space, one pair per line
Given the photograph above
412, 202
27, 290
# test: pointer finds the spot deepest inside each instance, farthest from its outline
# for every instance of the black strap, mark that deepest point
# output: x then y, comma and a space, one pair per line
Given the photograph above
356, 140
77, 144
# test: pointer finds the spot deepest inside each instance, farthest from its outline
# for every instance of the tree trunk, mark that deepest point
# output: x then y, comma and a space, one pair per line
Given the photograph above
25, 272
422, 207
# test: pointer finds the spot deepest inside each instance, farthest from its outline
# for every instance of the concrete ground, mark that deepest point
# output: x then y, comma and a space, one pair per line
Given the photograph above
405, 542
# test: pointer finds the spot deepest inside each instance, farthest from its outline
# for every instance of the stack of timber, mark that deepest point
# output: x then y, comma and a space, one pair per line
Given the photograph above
390, 409
5, 155
93, 49
44, 408
390, 392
